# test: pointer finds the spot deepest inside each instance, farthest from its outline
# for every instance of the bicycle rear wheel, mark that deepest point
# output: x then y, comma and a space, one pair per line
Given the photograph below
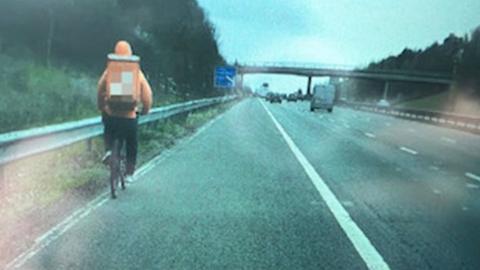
115, 167
122, 171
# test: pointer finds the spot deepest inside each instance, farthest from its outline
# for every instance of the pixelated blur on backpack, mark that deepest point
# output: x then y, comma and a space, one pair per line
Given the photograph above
123, 82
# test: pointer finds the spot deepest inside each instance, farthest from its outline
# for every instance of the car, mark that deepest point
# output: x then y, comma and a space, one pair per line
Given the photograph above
323, 97
269, 96
292, 97
383, 103
275, 98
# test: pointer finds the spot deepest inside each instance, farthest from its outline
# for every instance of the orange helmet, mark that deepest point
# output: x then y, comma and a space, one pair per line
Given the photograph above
123, 48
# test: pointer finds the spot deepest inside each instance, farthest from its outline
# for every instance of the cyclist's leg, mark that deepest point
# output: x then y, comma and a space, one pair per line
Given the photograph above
131, 145
115, 125
108, 130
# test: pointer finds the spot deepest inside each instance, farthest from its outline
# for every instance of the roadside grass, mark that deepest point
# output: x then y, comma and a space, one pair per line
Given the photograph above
38, 182
432, 103
34, 95
465, 104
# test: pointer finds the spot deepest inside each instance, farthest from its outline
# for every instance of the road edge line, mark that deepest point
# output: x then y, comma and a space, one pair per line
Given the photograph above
63, 226
360, 241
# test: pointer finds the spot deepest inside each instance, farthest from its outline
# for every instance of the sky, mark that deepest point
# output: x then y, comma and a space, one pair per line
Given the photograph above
342, 32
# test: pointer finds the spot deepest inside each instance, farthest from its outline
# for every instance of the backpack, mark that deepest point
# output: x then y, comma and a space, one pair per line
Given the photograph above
123, 82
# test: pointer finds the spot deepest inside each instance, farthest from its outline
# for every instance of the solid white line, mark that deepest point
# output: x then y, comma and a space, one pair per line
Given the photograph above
362, 244
472, 176
370, 135
57, 231
408, 150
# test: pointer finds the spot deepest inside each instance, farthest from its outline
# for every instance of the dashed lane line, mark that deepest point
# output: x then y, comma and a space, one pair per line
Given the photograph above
408, 150
472, 176
446, 139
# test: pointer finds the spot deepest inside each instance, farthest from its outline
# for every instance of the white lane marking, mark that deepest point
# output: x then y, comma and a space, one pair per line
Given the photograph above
362, 244
346, 126
57, 231
448, 140
472, 186
472, 176
435, 168
348, 203
408, 150
464, 208
370, 135
388, 124
61, 228
411, 130
436, 191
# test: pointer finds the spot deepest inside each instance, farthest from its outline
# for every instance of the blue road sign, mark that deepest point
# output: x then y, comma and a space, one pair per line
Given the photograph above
225, 77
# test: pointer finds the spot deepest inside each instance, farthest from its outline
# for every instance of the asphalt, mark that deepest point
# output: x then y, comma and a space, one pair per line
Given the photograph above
236, 197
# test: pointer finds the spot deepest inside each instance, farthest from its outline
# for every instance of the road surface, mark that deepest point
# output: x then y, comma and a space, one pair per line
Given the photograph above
274, 186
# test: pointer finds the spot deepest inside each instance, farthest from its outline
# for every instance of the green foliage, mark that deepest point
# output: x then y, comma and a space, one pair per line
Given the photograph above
52, 52
34, 95
457, 56
173, 37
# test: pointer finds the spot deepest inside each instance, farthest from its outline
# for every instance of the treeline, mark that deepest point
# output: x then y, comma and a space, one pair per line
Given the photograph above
457, 56
174, 37
52, 52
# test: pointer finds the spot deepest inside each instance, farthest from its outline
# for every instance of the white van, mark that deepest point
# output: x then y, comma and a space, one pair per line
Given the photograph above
323, 97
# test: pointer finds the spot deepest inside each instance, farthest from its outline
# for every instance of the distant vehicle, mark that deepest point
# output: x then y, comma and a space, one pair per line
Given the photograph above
283, 96
292, 97
323, 97
269, 96
383, 103
274, 98
262, 91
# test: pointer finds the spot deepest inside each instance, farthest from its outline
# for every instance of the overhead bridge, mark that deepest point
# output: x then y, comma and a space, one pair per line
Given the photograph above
345, 72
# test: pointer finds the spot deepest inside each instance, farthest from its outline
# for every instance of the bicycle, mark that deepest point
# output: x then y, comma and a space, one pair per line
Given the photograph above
117, 166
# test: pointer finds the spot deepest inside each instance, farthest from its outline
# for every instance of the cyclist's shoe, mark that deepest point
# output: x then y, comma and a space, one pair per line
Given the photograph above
106, 157
129, 179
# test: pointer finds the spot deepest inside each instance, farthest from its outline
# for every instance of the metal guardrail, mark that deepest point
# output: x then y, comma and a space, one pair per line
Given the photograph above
457, 121
20, 144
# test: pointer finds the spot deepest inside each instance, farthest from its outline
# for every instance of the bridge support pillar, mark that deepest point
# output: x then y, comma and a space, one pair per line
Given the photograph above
309, 86
385, 90
240, 82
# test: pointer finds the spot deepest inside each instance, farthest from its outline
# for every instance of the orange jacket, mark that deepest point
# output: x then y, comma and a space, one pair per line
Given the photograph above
123, 48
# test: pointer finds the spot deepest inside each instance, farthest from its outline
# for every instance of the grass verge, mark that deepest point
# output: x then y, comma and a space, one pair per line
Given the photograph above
41, 181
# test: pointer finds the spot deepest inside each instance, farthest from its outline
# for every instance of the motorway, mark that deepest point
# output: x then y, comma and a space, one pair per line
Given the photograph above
274, 186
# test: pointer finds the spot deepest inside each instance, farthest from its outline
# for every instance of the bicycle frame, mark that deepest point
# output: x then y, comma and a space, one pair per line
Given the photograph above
117, 167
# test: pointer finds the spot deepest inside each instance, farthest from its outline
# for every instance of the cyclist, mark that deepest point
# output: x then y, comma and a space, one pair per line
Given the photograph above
123, 122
